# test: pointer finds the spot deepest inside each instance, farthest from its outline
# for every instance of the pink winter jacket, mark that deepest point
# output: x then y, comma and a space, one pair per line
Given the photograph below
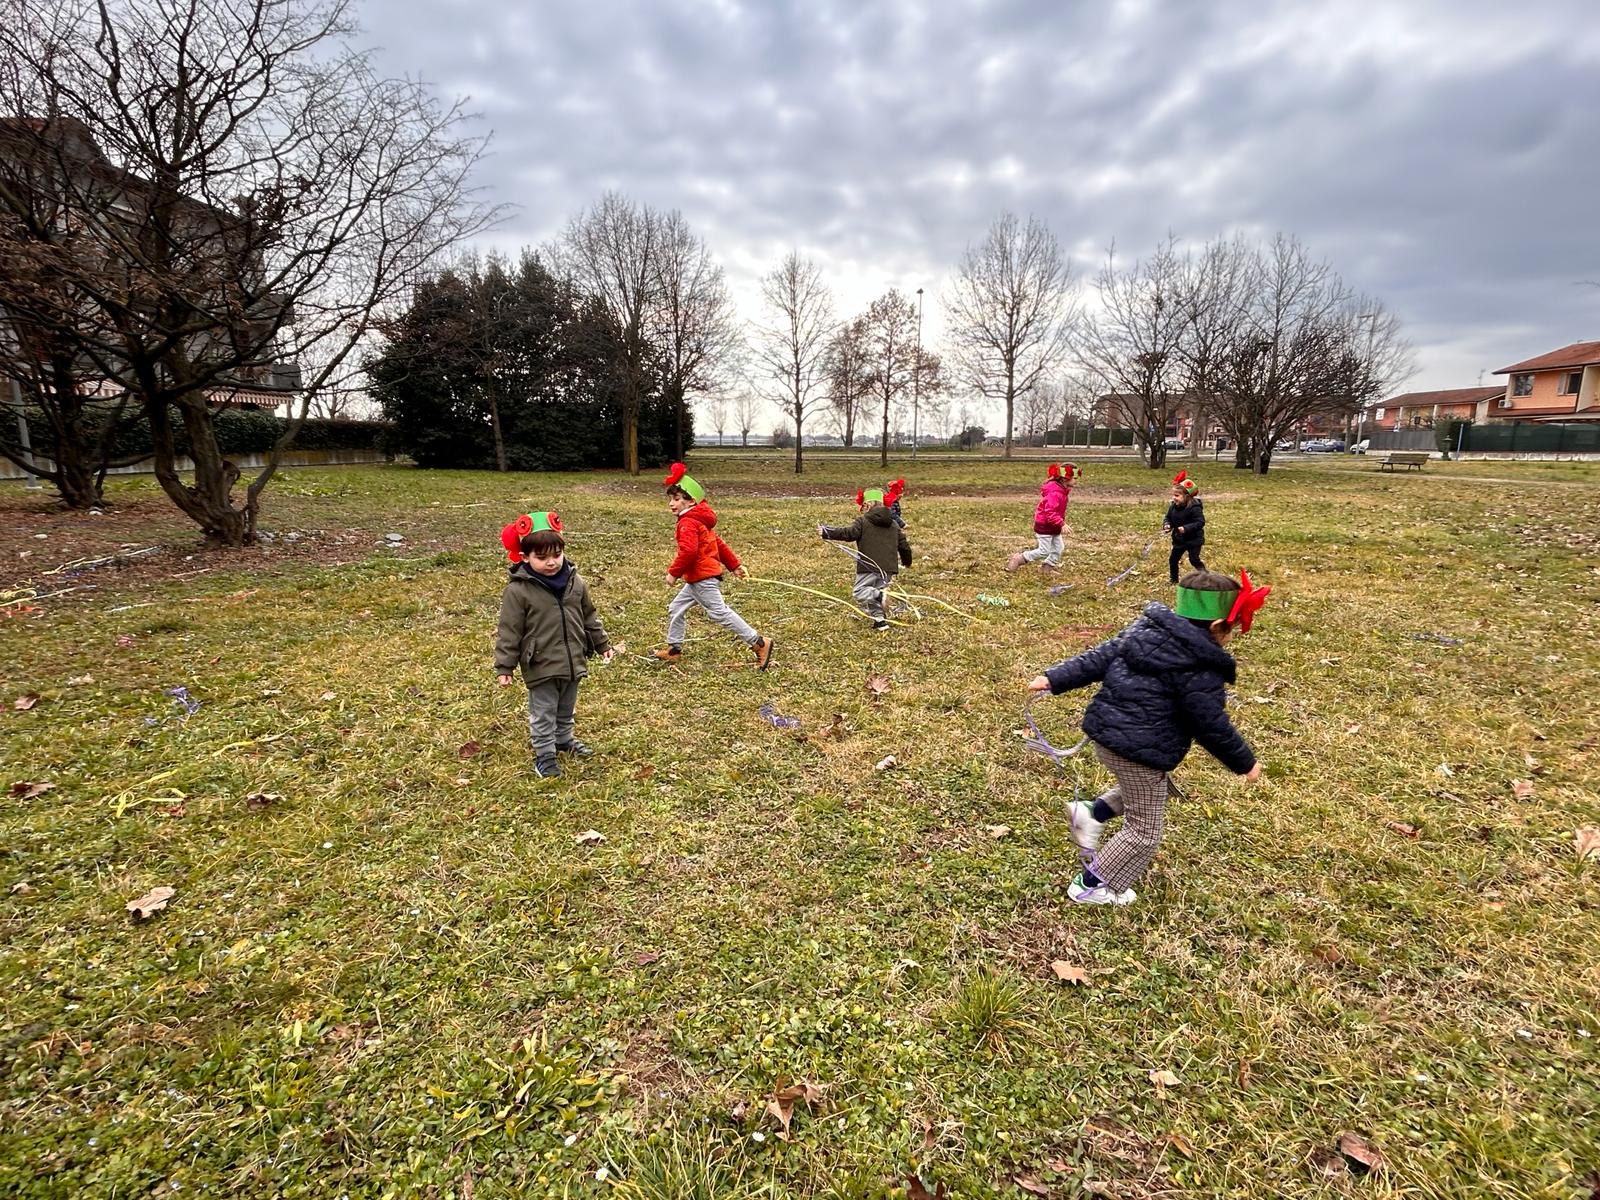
1051, 514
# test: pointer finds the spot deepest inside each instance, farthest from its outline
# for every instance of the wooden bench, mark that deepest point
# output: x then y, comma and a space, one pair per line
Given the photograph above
1403, 458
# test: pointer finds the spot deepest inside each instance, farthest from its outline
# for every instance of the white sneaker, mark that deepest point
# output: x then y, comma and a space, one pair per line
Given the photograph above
1086, 830
1099, 894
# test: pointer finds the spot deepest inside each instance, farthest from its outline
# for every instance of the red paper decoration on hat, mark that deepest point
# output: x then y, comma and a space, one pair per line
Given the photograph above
1248, 602
677, 472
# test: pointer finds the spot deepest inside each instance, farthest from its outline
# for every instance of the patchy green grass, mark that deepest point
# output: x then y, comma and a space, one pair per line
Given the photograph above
405, 977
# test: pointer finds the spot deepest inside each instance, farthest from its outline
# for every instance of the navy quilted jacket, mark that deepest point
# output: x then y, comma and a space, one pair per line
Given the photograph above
1161, 688
1192, 516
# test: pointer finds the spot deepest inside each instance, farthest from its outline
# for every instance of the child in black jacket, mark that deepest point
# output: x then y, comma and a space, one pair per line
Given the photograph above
1162, 687
1186, 521
881, 550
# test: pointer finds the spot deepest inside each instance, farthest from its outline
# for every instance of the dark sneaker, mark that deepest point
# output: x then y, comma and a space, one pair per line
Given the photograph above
575, 747
670, 654
881, 626
763, 650
545, 767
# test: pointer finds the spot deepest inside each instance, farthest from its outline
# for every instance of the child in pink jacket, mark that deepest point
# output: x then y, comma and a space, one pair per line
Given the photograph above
1049, 518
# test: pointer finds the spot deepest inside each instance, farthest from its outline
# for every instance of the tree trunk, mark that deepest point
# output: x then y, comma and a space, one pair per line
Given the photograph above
208, 502
76, 482
676, 394
799, 457
1197, 428
494, 424
849, 423
630, 428
883, 449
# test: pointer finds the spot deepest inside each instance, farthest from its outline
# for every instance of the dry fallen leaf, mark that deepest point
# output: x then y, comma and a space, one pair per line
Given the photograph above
1446, 770
781, 1103
152, 902
1352, 730
259, 800
1164, 1079
23, 790
1531, 763
1030, 1185
24, 703
1522, 789
468, 750
644, 773
917, 1190
21, 888
837, 729
878, 684
1068, 973
645, 957
1179, 1143
1362, 1155
590, 837
1403, 829
997, 831
884, 763
80, 680
1586, 841
124, 641
1327, 1163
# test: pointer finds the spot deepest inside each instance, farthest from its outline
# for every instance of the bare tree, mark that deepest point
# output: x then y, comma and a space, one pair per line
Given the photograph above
718, 410
236, 192
746, 414
694, 319
790, 350
612, 251
1132, 345
1210, 296
891, 331
849, 378
1010, 311
1304, 344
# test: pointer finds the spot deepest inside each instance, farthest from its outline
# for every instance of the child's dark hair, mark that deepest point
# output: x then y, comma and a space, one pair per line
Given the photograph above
675, 490
1208, 581
542, 542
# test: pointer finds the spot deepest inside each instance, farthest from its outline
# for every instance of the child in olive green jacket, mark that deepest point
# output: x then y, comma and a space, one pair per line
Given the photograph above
548, 627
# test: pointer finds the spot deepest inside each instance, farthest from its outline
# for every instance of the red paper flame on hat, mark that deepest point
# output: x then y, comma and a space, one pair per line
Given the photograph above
1182, 482
677, 472
511, 536
894, 491
1248, 602
861, 497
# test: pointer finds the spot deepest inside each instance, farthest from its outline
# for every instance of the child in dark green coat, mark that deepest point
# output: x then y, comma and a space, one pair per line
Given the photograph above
881, 550
549, 628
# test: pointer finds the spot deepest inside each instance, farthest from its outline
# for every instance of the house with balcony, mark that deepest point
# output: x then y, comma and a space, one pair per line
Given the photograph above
1561, 386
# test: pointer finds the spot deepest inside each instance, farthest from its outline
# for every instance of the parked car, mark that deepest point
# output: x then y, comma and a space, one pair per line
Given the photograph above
1324, 446
1361, 446
1174, 443
1283, 444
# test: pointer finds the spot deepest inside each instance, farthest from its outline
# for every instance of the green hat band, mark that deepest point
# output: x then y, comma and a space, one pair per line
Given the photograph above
1204, 606
873, 495
541, 522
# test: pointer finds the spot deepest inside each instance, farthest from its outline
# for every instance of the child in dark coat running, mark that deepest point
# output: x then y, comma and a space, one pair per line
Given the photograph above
882, 549
1049, 519
1186, 521
1162, 687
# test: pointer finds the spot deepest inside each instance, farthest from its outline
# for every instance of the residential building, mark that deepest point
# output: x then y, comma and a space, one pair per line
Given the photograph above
1563, 385
1421, 410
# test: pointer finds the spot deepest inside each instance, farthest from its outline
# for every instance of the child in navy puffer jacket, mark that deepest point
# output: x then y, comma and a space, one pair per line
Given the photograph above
1162, 688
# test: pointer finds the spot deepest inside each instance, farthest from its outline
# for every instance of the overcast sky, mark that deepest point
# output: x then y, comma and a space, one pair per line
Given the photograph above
1444, 156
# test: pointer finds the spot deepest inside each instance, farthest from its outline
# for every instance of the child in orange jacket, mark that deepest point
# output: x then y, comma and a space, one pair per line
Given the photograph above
699, 563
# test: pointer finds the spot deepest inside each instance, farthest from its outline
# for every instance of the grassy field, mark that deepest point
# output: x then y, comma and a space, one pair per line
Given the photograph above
400, 973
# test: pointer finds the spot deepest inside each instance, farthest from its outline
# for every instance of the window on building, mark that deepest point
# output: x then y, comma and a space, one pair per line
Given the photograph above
1522, 385
1571, 383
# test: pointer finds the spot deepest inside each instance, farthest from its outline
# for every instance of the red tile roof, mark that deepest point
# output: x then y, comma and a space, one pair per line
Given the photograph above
1449, 396
1579, 354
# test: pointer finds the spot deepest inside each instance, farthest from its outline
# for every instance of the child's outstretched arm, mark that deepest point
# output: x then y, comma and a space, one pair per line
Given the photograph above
1205, 704
843, 533
729, 559
1088, 667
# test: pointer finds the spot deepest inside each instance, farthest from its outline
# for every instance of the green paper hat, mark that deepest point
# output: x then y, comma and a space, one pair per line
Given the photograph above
1202, 605
511, 536
866, 497
678, 477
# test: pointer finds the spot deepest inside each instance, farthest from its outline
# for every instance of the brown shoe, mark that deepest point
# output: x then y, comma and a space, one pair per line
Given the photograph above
763, 650
1014, 563
671, 654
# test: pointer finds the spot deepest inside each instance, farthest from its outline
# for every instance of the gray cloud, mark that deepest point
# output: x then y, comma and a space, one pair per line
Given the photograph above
1443, 155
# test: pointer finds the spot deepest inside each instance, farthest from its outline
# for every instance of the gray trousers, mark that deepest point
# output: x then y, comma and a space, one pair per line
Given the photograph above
1048, 549
868, 592
551, 706
1140, 795
708, 595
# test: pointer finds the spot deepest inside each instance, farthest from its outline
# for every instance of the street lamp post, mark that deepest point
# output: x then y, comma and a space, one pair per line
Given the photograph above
916, 380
